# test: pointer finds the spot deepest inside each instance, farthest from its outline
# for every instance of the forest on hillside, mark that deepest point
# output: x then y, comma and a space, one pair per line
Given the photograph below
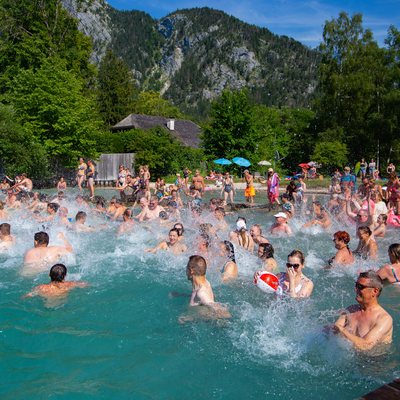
56, 106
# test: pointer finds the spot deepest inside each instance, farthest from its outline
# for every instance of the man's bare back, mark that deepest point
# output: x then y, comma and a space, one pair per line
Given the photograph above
55, 289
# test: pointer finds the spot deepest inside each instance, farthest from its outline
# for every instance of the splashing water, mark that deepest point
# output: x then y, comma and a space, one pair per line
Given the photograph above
120, 337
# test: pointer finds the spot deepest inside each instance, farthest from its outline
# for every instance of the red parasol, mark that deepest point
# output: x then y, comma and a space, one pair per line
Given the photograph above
304, 165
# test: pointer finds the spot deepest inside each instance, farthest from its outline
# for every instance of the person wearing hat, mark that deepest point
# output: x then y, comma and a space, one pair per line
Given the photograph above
249, 192
280, 226
348, 181
240, 236
272, 187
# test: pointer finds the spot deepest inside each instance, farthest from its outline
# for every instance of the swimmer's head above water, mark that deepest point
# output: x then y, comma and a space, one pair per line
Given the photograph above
41, 239
196, 266
58, 272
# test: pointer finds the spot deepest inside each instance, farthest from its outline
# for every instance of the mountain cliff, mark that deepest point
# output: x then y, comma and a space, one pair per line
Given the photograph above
191, 55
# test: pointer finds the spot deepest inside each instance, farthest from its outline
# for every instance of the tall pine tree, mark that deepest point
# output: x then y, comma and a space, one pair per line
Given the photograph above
116, 89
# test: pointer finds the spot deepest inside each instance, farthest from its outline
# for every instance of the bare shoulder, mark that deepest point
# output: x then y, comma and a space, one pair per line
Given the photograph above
385, 316
383, 271
73, 284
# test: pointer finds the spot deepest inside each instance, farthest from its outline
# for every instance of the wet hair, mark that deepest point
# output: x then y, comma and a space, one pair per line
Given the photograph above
384, 218
206, 238
174, 230
127, 213
179, 227
365, 229
230, 249
198, 265
5, 228
268, 250
163, 215
394, 251
41, 238
58, 272
343, 236
374, 278
53, 206
258, 226
299, 254
118, 201
80, 215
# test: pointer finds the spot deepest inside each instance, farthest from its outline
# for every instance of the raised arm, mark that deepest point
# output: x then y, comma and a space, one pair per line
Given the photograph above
67, 246
348, 210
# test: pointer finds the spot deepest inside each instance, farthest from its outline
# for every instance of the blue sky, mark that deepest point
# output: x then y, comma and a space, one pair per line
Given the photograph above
302, 20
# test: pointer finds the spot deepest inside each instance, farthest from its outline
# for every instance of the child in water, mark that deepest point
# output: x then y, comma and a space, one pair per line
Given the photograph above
57, 287
202, 293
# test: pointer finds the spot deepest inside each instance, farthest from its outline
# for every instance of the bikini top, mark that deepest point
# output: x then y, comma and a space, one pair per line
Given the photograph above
395, 277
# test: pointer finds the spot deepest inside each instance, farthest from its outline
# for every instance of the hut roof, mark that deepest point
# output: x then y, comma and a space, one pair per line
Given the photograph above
184, 130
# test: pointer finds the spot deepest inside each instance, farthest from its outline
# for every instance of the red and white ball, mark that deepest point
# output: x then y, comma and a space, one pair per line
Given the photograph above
266, 281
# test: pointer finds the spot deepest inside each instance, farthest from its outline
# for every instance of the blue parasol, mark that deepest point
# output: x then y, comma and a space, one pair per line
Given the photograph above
242, 162
222, 161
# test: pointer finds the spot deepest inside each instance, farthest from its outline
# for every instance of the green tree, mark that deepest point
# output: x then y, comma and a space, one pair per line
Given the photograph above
151, 103
163, 154
55, 111
391, 100
330, 154
353, 81
231, 131
116, 89
18, 151
34, 30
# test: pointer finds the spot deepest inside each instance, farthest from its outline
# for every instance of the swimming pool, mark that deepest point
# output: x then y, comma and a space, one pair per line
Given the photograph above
120, 337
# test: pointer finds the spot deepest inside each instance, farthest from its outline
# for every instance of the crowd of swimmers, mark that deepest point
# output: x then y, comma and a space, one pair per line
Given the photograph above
361, 212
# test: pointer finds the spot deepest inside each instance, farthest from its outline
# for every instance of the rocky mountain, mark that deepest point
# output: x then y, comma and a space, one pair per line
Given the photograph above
191, 55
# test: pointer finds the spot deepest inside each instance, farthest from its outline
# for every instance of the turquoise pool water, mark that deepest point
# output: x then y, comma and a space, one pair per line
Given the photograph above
120, 337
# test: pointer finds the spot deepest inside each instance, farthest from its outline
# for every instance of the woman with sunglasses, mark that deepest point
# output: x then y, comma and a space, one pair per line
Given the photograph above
293, 282
180, 229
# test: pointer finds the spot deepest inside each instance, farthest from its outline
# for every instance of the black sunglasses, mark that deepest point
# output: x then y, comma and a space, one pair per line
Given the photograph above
360, 287
295, 266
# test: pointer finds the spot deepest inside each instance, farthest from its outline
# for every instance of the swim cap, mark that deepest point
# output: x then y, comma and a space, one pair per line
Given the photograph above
280, 215
266, 281
240, 225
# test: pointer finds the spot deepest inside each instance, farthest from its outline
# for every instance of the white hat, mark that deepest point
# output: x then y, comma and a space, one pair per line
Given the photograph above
281, 215
240, 225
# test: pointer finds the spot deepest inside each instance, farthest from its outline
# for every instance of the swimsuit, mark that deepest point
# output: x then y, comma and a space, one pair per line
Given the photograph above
395, 277
223, 268
228, 188
250, 192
